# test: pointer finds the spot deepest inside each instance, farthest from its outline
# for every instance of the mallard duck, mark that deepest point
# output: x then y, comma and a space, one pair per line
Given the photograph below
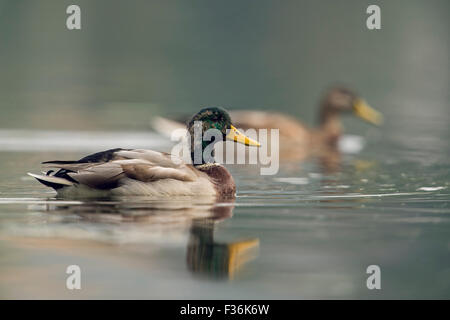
334, 102
151, 173
298, 141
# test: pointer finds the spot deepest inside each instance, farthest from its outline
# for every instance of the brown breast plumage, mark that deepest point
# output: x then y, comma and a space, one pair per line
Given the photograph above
222, 179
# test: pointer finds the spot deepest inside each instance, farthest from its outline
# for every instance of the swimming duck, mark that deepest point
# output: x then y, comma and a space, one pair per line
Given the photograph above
297, 141
335, 102
151, 173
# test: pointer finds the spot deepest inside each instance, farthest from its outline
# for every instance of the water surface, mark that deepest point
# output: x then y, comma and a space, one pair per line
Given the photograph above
303, 233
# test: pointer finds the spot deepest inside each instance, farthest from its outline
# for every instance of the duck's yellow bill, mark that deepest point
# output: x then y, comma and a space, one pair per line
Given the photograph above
236, 136
364, 111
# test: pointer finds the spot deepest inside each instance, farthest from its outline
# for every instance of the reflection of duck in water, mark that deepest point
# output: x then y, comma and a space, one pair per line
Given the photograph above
148, 223
205, 256
151, 173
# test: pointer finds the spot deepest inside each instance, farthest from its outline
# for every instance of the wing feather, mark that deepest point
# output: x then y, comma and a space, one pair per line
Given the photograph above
142, 165
100, 176
70, 166
154, 157
148, 172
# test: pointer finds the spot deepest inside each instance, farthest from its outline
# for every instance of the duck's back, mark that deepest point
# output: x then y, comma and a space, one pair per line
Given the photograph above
128, 172
289, 127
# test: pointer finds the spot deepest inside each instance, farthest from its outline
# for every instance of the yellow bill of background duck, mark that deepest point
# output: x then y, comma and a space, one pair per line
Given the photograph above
364, 111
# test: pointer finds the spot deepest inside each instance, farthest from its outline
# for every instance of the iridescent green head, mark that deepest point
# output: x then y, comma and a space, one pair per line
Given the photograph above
219, 120
211, 118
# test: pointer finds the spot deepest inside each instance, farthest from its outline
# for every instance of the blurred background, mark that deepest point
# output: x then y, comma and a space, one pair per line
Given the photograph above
131, 61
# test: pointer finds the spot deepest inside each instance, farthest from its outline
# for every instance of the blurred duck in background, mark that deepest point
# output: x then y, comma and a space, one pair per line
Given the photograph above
335, 102
298, 141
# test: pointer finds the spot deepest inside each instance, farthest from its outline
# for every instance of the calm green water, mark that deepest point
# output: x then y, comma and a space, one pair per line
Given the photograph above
304, 233
299, 234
